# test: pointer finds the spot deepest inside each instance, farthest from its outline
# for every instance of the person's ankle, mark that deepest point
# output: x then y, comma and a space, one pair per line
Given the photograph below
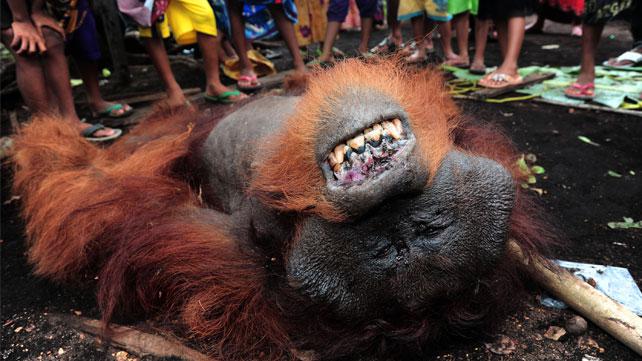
585, 78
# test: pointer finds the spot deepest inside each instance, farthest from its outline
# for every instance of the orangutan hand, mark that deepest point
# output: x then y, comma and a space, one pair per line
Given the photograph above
26, 38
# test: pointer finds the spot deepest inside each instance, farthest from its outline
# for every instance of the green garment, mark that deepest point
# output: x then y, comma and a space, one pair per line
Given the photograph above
459, 6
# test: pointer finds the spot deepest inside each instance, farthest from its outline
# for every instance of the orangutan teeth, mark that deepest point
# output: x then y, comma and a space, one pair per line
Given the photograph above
368, 153
358, 143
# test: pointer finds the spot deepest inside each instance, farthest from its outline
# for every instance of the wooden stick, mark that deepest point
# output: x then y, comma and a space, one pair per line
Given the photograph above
609, 315
132, 340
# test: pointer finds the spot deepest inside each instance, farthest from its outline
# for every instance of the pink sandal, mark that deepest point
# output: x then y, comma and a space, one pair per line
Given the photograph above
580, 91
252, 80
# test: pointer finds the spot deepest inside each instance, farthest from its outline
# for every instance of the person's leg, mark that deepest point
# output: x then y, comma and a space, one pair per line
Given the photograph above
337, 12
286, 29
591, 34
481, 38
84, 46
209, 48
393, 22
501, 26
367, 10
235, 11
56, 70
446, 40
514, 40
29, 77
156, 50
418, 33
461, 23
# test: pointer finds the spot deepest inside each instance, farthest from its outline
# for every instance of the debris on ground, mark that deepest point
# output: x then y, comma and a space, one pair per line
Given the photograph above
503, 345
554, 333
576, 325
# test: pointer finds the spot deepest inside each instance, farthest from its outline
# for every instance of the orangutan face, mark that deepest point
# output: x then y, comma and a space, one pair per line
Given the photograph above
408, 239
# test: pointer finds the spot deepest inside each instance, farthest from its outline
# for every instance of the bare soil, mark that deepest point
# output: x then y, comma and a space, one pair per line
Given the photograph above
578, 194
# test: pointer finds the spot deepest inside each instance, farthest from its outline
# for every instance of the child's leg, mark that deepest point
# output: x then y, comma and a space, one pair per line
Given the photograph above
30, 78
502, 35
591, 34
393, 22
367, 10
85, 50
462, 22
514, 39
157, 53
235, 10
287, 33
446, 39
209, 46
56, 71
481, 37
337, 12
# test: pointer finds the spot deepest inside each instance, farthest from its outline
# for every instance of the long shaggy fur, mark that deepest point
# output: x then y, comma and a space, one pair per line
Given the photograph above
132, 215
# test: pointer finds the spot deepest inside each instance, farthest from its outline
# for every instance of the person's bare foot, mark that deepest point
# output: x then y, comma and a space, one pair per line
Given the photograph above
458, 61
477, 67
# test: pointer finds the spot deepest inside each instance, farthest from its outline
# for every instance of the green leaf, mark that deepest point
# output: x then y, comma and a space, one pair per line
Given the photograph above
614, 174
523, 167
628, 223
75, 82
532, 179
537, 169
524, 185
106, 73
587, 140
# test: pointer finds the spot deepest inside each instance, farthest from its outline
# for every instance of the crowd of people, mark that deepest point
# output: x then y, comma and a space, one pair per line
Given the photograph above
41, 33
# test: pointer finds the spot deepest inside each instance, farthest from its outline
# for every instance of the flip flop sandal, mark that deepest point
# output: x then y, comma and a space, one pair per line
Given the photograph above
580, 91
252, 79
385, 46
477, 71
504, 80
111, 110
461, 65
224, 97
319, 63
416, 58
632, 56
91, 130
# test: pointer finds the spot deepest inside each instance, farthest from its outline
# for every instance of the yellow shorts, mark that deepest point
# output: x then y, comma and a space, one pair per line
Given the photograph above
185, 18
436, 10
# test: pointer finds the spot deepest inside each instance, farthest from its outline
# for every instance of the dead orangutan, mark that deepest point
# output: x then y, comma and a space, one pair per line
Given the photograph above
363, 218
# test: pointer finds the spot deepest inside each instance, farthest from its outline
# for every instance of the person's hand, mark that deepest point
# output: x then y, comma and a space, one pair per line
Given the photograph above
26, 38
41, 20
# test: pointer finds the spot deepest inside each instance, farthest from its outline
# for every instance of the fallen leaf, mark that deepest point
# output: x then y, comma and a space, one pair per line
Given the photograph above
587, 140
628, 223
614, 174
532, 179
631, 172
539, 191
537, 169
554, 333
61, 351
18, 329
586, 342
503, 345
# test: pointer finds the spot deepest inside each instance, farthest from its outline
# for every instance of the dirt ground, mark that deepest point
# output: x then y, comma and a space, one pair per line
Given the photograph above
579, 194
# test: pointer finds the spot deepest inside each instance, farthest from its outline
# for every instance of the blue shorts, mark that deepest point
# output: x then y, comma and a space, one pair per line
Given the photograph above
83, 42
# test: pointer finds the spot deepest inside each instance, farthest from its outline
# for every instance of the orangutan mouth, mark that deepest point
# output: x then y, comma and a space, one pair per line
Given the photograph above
369, 153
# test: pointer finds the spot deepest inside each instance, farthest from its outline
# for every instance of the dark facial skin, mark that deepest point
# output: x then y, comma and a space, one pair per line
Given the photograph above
407, 241
410, 248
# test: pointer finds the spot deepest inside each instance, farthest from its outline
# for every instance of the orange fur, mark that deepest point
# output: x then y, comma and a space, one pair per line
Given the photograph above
291, 180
